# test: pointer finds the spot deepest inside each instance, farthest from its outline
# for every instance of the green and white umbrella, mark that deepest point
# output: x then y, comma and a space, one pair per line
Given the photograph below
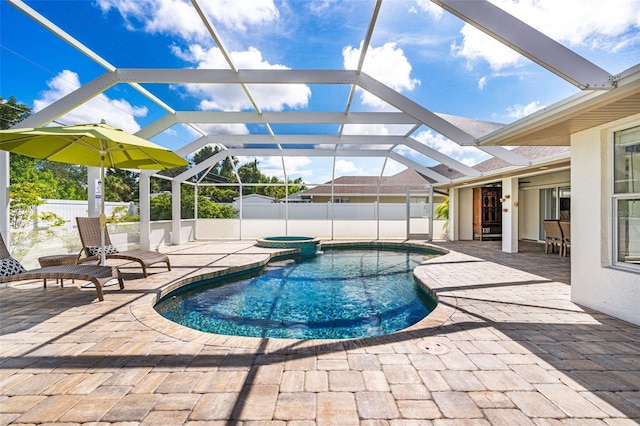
97, 145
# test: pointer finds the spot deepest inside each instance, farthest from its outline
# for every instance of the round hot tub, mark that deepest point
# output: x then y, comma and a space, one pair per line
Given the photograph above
308, 245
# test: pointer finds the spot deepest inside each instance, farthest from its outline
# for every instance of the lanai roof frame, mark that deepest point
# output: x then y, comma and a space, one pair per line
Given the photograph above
538, 47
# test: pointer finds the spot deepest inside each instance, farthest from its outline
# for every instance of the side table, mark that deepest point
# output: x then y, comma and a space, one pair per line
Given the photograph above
57, 260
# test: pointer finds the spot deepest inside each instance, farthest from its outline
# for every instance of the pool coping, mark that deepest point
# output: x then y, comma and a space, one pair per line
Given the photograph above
144, 312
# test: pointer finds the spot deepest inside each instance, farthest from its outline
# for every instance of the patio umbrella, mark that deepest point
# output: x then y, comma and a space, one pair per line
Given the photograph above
97, 145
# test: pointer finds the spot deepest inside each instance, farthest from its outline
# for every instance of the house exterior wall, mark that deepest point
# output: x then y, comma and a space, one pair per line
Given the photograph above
595, 283
529, 214
529, 203
465, 214
547, 180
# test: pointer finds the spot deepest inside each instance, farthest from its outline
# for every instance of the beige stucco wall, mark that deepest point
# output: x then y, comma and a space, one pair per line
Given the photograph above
529, 203
465, 214
595, 283
529, 211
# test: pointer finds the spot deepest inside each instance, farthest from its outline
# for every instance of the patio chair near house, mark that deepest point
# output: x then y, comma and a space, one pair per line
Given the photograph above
11, 270
565, 226
89, 229
553, 236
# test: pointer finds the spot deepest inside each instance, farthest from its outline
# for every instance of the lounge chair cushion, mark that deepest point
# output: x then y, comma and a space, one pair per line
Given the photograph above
96, 250
9, 266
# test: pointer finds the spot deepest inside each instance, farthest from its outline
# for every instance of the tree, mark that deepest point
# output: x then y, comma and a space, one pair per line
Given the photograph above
66, 181
222, 171
442, 210
29, 183
121, 185
25, 198
207, 209
12, 112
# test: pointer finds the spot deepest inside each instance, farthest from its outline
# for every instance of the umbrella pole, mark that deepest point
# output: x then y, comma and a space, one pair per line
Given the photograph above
103, 218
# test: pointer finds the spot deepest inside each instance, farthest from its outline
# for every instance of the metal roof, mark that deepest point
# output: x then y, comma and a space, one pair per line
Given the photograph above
604, 97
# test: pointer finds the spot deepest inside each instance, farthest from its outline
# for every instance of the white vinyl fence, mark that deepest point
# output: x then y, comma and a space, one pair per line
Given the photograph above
326, 221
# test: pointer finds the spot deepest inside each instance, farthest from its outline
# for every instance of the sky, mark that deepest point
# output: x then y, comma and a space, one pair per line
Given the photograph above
417, 49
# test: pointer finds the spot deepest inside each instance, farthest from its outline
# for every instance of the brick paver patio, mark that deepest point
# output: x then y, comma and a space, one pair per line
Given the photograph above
505, 346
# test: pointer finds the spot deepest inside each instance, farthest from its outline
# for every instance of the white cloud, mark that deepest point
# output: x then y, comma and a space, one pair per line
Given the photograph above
393, 168
578, 22
365, 129
378, 65
178, 17
465, 154
237, 15
519, 111
431, 8
319, 7
229, 97
482, 83
224, 128
594, 24
477, 46
116, 112
349, 168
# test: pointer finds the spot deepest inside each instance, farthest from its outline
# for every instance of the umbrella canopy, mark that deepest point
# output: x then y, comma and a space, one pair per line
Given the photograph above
97, 145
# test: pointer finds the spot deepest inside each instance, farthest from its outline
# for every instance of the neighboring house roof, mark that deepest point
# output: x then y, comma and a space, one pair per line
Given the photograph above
367, 185
397, 184
256, 197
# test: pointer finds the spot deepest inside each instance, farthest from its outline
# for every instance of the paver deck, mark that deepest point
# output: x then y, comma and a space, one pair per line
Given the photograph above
505, 346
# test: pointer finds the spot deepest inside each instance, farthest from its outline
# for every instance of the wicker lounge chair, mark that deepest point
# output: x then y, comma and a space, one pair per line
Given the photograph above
566, 236
12, 270
89, 229
553, 236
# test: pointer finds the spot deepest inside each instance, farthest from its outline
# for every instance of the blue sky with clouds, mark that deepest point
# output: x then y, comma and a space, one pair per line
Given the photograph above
417, 49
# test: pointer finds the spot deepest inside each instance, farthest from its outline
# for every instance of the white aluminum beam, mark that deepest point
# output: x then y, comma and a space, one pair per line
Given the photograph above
304, 139
419, 168
213, 33
440, 157
202, 166
416, 111
82, 48
506, 155
62, 34
158, 126
70, 101
529, 42
274, 152
245, 76
294, 117
363, 52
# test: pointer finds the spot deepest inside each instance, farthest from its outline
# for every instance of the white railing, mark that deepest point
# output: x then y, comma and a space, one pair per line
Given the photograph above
29, 246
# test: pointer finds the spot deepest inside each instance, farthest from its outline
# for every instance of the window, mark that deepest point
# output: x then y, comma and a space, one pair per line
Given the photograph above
626, 197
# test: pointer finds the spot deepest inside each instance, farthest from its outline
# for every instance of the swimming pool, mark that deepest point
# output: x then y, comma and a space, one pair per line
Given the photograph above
336, 295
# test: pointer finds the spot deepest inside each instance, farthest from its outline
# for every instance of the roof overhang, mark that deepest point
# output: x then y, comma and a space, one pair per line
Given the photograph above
555, 124
537, 167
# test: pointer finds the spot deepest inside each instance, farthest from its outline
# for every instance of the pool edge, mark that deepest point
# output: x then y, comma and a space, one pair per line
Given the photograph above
144, 310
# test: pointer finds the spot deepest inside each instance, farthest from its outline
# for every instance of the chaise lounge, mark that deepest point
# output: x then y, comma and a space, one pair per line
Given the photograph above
11, 270
89, 229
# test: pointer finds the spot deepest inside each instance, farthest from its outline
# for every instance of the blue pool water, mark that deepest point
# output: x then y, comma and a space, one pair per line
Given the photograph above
336, 295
